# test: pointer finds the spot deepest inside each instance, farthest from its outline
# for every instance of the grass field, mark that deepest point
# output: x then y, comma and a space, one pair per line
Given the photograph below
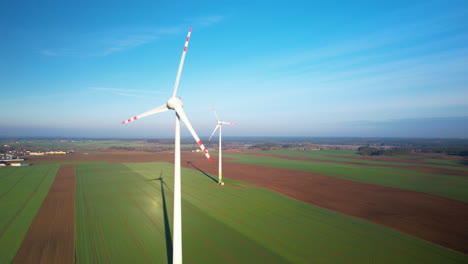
449, 186
90, 145
22, 191
86, 144
124, 215
390, 160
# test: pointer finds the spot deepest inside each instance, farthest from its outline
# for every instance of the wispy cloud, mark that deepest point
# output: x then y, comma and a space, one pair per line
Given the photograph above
96, 44
58, 52
128, 92
210, 20
206, 20
127, 42
412, 44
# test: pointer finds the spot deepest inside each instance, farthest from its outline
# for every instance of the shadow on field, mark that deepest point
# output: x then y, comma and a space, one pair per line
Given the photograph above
167, 227
206, 174
464, 162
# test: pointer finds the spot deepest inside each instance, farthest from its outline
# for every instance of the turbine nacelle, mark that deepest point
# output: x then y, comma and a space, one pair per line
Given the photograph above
225, 123
174, 102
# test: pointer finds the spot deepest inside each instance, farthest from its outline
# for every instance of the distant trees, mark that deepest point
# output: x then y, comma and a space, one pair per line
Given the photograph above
459, 151
122, 148
371, 151
265, 146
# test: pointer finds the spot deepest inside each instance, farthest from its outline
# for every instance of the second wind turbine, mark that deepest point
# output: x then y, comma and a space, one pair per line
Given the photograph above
220, 126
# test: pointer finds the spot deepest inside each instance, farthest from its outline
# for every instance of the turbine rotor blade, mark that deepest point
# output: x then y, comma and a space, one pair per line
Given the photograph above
156, 110
181, 113
214, 131
214, 110
181, 64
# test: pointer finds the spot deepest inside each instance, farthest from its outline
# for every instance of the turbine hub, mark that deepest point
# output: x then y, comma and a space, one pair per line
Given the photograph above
174, 102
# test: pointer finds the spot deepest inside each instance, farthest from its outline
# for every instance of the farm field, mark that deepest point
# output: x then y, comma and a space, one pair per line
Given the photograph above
131, 208
446, 185
80, 144
426, 216
130, 205
22, 191
98, 145
353, 156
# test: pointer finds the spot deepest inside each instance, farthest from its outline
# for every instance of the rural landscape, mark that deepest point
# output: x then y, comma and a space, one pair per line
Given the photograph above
302, 132
325, 203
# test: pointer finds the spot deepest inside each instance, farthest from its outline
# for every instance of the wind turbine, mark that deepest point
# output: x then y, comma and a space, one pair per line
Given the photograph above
220, 126
175, 103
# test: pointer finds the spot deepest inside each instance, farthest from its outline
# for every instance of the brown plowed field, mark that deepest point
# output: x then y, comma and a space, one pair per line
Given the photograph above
50, 238
436, 219
414, 161
418, 168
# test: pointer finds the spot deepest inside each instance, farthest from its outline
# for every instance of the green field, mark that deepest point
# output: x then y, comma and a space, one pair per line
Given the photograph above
22, 190
80, 144
390, 160
449, 186
92, 145
124, 214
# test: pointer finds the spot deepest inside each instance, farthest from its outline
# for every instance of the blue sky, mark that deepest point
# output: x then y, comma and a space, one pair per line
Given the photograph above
277, 68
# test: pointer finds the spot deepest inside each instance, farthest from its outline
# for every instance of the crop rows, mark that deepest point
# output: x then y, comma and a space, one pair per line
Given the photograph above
449, 186
124, 213
22, 191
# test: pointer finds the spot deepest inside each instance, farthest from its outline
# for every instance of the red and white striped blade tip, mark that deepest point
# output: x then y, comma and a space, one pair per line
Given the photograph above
190, 29
129, 120
207, 155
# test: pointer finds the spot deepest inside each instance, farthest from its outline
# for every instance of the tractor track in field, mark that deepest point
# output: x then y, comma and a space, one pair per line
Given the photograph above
212, 208
251, 228
436, 219
50, 238
20, 210
135, 203
267, 209
416, 168
127, 225
402, 160
154, 222
93, 226
439, 220
166, 232
203, 216
12, 187
189, 228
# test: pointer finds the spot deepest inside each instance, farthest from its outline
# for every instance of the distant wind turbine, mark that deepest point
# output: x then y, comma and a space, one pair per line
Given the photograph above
175, 103
220, 126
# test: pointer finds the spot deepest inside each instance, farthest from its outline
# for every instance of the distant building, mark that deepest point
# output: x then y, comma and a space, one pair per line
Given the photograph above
56, 152
20, 164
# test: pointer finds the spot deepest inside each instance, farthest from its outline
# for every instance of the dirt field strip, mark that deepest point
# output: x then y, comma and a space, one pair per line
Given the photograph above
50, 238
417, 168
439, 220
403, 160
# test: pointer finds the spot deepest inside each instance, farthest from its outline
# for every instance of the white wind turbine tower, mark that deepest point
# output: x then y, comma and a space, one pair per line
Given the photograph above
220, 126
175, 103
